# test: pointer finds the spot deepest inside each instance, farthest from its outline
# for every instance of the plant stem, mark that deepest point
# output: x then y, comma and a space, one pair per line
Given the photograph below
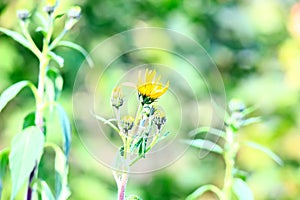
122, 186
229, 157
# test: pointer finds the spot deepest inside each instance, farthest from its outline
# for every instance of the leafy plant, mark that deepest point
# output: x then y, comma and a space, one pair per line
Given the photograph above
235, 186
27, 147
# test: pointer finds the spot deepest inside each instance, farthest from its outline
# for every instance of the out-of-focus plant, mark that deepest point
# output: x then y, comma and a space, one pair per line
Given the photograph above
235, 186
27, 147
140, 133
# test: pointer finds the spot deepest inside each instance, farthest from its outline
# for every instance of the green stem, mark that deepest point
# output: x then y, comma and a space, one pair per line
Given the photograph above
200, 191
229, 157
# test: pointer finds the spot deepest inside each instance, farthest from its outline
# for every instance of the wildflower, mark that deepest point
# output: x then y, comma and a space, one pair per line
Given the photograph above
73, 15
150, 88
159, 119
127, 123
23, 14
117, 98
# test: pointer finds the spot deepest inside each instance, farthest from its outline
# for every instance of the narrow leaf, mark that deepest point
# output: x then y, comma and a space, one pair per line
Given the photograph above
61, 173
44, 190
16, 36
66, 128
58, 59
265, 150
203, 189
205, 144
79, 49
26, 150
210, 130
3, 166
105, 121
242, 190
11, 92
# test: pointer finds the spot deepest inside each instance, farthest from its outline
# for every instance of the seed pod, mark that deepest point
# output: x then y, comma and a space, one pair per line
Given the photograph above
117, 98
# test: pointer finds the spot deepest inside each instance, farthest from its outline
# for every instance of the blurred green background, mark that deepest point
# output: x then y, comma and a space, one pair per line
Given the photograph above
256, 46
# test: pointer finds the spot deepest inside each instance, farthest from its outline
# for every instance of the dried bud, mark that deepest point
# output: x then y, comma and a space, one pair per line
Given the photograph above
73, 15
127, 123
23, 14
50, 6
159, 119
117, 98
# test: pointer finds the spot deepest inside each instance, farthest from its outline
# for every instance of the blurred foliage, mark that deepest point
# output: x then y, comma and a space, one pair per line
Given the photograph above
256, 46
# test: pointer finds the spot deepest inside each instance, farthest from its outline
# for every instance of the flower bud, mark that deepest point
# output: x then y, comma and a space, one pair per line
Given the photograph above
117, 99
50, 6
23, 14
127, 123
159, 119
73, 15
236, 105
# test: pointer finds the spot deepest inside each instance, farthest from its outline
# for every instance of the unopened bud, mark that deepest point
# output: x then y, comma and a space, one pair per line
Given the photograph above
73, 15
127, 123
117, 98
159, 119
23, 14
50, 6
236, 105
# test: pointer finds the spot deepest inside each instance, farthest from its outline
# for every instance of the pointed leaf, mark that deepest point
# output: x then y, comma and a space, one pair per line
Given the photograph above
3, 166
44, 190
66, 128
79, 49
210, 130
29, 120
11, 92
26, 150
205, 144
242, 190
265, 150
61, 173
16, 36
133, 197
58, 59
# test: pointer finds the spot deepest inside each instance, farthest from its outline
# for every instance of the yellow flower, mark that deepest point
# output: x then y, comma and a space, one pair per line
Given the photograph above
150, 88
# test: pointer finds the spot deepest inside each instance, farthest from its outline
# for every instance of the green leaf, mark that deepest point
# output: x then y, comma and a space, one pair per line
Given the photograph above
59, 16
41, 30
79, 49
265, 150
61, 173
16, 36
44, 190
105, 121
11, 92
206, 129
26, 150
58, 59
53, 84
66, 128
29, 120
205, 144
133, 197
242, 190
3, 166
203, 189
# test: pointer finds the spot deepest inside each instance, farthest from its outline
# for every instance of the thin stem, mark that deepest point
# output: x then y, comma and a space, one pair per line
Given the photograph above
57, 39
34, 49
122, 186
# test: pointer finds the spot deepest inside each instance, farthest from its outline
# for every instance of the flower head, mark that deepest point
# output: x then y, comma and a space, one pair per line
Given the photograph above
50, 6
150, 88
117, 97
159, 119
127, 123
23, 14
